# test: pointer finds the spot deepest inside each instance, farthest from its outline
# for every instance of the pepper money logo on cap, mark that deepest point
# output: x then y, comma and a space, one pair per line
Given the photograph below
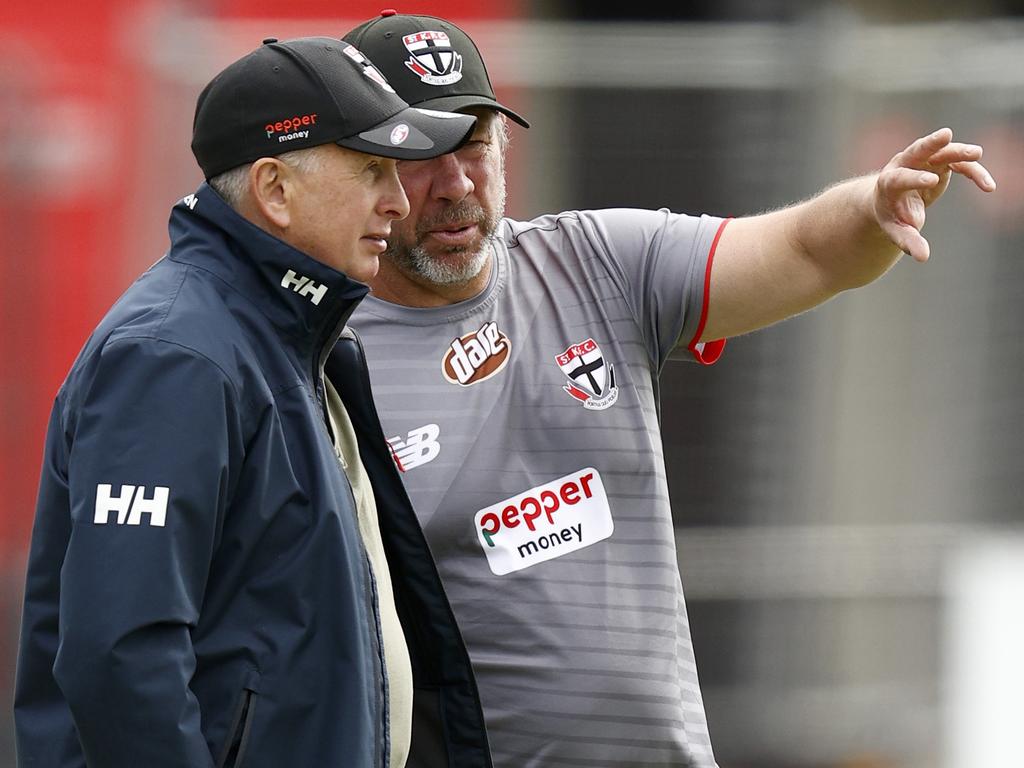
310, 91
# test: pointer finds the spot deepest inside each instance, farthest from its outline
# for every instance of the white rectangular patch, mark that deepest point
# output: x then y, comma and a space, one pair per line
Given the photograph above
545, 522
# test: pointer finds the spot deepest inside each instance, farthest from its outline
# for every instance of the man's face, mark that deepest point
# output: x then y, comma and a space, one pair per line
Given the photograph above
457, 201
342, 213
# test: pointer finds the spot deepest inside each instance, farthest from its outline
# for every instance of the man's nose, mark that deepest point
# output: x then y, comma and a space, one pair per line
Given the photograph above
395, 203
451, 181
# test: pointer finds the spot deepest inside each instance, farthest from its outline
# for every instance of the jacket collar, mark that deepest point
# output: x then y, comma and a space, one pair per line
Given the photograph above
307, 300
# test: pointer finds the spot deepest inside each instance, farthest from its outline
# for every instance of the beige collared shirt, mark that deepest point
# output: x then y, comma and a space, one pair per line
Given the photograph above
398, 668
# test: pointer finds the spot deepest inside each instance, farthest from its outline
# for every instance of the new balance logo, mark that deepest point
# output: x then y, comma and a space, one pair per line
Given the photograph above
420, 447
190, 201
303, 286
131, 504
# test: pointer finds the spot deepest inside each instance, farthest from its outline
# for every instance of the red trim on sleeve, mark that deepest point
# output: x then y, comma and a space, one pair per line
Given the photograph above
708, 352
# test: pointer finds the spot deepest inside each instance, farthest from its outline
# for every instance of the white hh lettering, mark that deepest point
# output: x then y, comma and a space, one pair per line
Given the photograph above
131, 504
303, 286
107, 503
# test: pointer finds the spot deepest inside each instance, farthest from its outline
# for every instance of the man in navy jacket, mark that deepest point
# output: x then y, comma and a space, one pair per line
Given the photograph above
207, 583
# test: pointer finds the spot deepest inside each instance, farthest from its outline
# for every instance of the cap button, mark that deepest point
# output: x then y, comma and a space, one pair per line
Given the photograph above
269, 40
388, 12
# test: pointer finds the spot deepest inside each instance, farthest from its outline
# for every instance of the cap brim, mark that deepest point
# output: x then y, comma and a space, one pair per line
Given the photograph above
414, 134
465, 101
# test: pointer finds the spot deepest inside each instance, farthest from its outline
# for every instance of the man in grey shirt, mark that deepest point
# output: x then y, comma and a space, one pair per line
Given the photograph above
516, 367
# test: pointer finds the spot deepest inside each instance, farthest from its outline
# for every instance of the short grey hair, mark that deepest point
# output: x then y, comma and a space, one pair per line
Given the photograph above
234, 184
500, 126
504, 134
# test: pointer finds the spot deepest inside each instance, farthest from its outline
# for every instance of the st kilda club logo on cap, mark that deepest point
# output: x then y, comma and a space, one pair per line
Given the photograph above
475, 357
432, 58
592, 382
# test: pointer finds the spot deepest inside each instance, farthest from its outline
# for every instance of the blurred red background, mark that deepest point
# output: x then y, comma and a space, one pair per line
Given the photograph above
72, 148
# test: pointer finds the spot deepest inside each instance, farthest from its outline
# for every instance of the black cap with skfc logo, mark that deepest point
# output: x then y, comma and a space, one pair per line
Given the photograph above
430, 62
302, 93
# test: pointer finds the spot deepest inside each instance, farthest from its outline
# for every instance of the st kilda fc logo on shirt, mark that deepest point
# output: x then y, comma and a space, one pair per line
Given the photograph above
432, 58
476, 356
592, 382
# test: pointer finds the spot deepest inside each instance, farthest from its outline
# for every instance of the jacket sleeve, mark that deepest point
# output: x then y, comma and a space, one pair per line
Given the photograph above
153, 447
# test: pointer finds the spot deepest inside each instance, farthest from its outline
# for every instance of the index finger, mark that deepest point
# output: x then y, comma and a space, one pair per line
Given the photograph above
926, 146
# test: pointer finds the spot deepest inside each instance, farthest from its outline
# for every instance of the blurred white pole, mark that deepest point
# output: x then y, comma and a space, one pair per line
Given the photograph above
985, 654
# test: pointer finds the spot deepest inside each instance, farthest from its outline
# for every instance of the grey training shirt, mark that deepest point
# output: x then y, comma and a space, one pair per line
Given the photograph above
526, 420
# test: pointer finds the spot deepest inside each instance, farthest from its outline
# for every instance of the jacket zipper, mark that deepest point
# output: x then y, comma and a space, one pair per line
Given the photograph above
321, 397
238, 734
396, 479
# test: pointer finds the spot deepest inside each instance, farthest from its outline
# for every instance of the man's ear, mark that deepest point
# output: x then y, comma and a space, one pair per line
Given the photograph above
271, 183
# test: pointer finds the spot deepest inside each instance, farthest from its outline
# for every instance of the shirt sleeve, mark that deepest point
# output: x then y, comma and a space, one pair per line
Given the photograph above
153, 444
662, 263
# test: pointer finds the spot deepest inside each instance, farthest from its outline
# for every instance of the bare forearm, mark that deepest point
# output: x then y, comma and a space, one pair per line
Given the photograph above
838, 234
778, 264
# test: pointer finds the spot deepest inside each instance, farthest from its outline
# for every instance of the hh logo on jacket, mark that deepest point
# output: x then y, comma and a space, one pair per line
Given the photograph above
131, 504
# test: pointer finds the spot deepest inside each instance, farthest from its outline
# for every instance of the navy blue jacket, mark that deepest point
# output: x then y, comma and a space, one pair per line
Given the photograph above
198, 594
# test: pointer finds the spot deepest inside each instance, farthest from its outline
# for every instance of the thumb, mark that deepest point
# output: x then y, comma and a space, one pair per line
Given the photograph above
909, 240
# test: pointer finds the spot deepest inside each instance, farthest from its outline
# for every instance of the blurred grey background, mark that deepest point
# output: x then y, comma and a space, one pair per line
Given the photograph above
848, 484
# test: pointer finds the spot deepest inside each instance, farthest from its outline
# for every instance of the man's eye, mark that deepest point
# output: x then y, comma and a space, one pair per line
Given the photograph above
411, 166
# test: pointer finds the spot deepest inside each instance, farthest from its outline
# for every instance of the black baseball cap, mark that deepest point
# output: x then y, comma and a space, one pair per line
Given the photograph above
310, 91
430, 62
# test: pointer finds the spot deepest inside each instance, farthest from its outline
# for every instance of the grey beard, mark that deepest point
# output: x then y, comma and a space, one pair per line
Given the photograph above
416, 261
420, 263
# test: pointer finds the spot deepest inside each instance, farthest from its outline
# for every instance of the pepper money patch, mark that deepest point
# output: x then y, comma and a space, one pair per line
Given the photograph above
545, 522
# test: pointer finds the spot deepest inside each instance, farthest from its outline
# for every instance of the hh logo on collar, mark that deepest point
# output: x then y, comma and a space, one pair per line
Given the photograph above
545, 522
475, 357
591, 381
432, 58
303, 286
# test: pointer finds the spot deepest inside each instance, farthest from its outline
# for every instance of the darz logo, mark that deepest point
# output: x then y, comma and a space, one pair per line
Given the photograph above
131, 504
303, 286
432, 58
592, 382
476, 357
418, 448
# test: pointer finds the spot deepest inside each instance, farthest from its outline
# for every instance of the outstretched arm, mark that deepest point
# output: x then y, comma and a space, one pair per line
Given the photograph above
778, 264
